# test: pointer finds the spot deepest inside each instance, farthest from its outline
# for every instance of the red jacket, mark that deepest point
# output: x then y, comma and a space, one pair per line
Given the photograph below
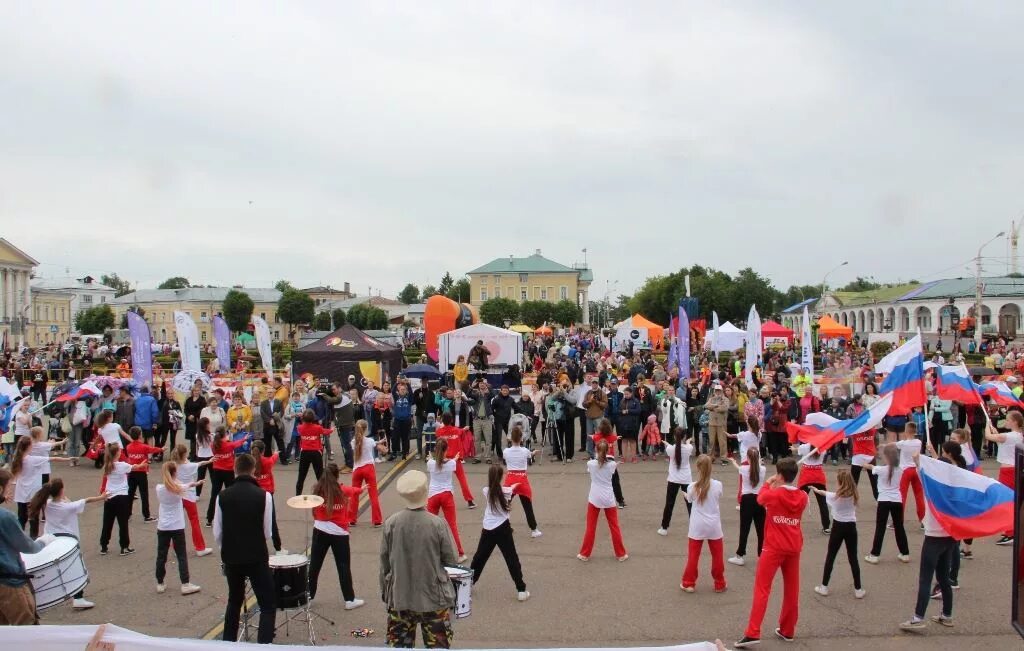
310, 436
784, 506
454, 437
224, 456
138, 452
340, 514
265, 477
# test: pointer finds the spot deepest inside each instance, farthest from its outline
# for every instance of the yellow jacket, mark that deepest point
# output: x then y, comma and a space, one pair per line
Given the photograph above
461, 372
239, 418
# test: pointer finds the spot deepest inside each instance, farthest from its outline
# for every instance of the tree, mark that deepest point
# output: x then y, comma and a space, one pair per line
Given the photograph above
427, 292
459, 292
295, 307
94, 320
120, 287
718, 291
446, 284
496, 311
410, 294
535, 313
338, 315
566, 313
620, 310
798, 294
237, 310
176, 282
367, 317
322, 321
134, 308
283, 286
861, 285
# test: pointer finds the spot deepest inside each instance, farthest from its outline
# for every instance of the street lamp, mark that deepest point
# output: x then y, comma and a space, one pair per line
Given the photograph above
977, 290
825, 279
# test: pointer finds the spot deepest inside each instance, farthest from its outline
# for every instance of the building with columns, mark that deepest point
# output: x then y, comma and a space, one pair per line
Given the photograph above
16, 268
534, 278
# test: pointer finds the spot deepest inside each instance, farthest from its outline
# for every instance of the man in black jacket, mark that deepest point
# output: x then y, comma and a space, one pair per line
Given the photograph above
502, 406
241, 525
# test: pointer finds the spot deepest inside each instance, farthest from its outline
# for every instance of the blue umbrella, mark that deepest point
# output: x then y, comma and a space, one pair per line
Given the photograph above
422, 371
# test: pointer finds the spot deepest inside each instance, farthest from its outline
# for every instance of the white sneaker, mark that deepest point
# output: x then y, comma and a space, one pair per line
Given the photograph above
859, 594
204, 552
822, 590
523, 596
283, 552
190, 588
871, 559
536, 533
82, 604
161, 588
737, 560
623, 558
737, 507
355, 603
904, 558
462, 559
582, 557
662, 532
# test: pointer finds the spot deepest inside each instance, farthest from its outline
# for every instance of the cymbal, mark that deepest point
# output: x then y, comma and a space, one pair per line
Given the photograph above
305, 501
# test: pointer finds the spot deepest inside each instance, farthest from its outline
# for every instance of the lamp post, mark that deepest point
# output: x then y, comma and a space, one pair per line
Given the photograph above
825, 279
977, 291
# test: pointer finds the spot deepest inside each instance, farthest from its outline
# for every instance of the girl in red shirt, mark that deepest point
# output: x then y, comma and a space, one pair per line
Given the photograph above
222, 472
138, 452
330, 532
264, 476
311, 448
453, 435
364, 470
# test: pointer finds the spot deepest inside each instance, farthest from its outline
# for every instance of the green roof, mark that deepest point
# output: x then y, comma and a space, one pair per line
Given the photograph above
535, 263
880, 295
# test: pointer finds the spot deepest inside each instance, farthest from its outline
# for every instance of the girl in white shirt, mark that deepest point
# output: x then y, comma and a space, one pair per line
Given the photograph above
440, 497
62, 519
109, 431
118, 505
812, 476
363, 471
170, 528
752, 476
27, 471
1006, 442
705, 524
497, 531
42, 448
191, 474
890, 504
679, 476
601, 499
843, 503
517, 458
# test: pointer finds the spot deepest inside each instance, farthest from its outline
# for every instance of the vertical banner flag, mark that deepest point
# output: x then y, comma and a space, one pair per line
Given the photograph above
142, 349
683, 343
753, 345
714, 334
806, 346
263, 344
188, 342
222, 342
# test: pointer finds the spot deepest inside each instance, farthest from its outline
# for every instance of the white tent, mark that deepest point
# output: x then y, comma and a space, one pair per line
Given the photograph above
625, 333
729, 338
506, 346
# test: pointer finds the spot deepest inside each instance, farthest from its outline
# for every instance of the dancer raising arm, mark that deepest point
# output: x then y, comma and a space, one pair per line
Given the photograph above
843, 503
679, 476
705, 524
440, 496
497, 531
517, 458
601, 498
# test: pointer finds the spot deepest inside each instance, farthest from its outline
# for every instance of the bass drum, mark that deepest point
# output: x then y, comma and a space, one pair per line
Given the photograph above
291, 580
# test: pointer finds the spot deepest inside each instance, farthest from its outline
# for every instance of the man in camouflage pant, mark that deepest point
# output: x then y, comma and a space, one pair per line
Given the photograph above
436, 627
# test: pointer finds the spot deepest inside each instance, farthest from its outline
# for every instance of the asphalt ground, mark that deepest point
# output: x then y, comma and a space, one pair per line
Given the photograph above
602, 603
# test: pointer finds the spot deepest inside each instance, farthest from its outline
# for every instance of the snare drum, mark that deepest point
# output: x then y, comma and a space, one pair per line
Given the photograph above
462, 579
291, 573
58, 572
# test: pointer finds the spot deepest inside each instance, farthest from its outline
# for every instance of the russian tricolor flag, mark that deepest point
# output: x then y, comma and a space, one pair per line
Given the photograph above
954, 383
904, 369
822, 431
966, 504
1000, 394
87, 389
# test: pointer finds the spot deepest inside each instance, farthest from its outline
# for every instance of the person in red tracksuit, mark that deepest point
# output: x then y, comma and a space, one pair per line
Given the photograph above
222, 472
364, 470
311, 448
784, 504
137, 454
264, 476
439, 495
454, 437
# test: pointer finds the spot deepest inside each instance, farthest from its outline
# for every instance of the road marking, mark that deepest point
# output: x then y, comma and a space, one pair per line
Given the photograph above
217, 631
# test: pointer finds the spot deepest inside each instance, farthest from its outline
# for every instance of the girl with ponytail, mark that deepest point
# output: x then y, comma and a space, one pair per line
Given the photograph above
843, 503
28, 470
518, 459
330, 531
170, 527
705, 524
752, 476
191, 473
602, 499
365, 472
679, 475
440, 495
497, 531
890, 504
118, 505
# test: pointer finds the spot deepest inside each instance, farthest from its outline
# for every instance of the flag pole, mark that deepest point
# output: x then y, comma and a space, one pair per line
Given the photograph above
981, 400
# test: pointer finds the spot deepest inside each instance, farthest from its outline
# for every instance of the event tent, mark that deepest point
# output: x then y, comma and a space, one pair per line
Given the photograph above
655, 332
729, 337
829, 328
775, 331
348, 351
506, 346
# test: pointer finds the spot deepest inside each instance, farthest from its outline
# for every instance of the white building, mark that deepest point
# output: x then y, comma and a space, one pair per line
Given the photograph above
397, 311
85, 292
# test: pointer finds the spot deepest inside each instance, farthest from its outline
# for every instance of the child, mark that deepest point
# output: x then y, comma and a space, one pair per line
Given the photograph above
62, 520
751, 437
784, 507
429, 433
27, 470
679, 476
518, 458
704, 422
330, 531
497, 531
651, 438
908, 447
170, 529
189, 473
812, 476
138, 452
264, 476
454, 436
204, 453
42, 448
118, 505
601, 498
953, 452
439, 495
222, 471
364, 471
843, 503
292, 418
863, 453
604, 433
705, 524
890, 503
752, 476
311, 448
1007, 441
917, 419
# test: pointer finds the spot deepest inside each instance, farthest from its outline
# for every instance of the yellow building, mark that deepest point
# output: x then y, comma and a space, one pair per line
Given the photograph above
15, 291
200, 303
534, 278
51, 317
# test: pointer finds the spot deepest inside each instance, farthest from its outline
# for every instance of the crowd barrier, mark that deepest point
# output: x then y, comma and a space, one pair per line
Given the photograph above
75, 638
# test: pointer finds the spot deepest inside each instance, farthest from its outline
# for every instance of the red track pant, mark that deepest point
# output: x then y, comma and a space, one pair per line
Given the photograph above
460, 473
612, 515
910, 478
192, 513
717, 563
367, 474
1006, 478
445, 502
767, 565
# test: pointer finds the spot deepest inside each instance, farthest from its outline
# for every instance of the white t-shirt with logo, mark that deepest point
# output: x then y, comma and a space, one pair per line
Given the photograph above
440, 477
679, 474
746, 487
172, 513
517, 458
705, 518
1005, 450
62, 517
495, 518
601, 494
888, 491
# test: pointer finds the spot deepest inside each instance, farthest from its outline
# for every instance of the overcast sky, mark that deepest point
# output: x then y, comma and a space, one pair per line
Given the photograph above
386, 142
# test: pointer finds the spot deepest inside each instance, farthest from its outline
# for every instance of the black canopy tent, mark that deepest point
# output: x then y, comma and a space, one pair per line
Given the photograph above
340, 354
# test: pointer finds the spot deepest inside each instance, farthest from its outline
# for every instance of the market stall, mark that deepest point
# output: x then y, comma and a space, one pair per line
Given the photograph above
505, 346
348, 351
773, 333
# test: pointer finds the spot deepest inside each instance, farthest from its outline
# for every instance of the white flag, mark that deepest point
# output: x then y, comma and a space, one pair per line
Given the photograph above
188, 341
263, 345
714, 334
807, 348
753, 345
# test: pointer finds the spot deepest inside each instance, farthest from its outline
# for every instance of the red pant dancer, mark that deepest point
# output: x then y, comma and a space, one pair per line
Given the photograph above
445, 502
612, 516
192, 513
770, 562
1006, 478
460, 473
910, 478
717, 563
366, 474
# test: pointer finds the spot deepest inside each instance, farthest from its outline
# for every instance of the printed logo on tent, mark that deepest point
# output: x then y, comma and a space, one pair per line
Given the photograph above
634, 334
371, 341
338, 341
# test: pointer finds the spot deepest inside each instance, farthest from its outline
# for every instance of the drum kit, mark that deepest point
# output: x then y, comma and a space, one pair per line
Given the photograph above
57, 572
291, 581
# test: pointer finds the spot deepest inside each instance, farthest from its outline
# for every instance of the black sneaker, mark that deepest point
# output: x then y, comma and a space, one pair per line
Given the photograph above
1005, 540
126, 551
472, 505
967, 555
149, 519
103, 551
784, 638
747, 642
622, 505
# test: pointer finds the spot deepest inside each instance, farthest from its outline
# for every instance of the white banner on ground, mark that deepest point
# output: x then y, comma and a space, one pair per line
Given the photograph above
263, 344
188, 341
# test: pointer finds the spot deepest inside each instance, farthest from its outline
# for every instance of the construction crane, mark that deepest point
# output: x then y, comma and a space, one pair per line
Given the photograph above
1014, 231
